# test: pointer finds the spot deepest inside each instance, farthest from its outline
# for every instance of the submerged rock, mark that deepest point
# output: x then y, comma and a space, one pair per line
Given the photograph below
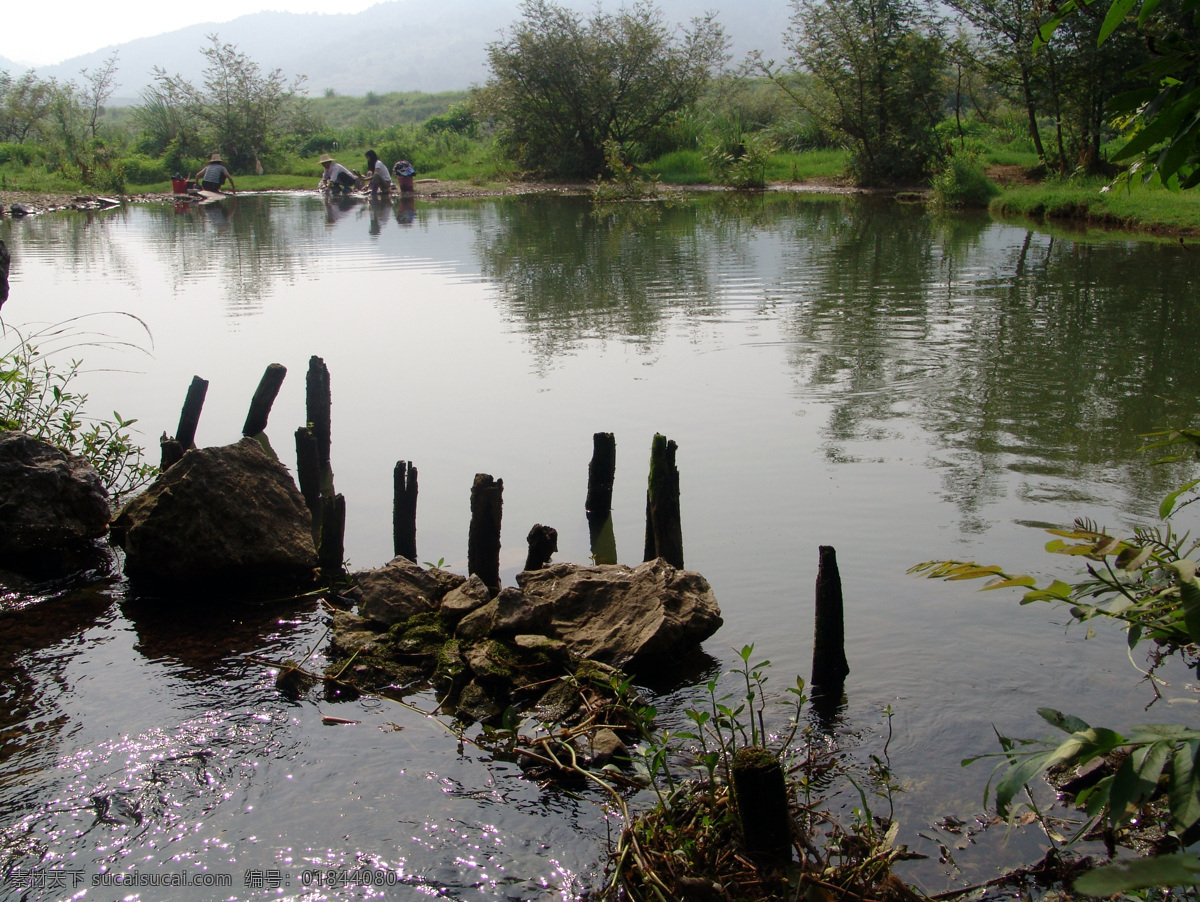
52, 504
229, 516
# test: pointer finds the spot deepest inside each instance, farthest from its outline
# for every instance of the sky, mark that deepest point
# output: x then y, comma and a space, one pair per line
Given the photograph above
34, 36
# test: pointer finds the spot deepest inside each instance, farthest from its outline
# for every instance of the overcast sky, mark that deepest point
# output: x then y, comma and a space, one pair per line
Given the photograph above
42, 36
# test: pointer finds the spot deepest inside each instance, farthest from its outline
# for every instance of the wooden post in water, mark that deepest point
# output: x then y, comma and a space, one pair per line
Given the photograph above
829, 667
319, 404
483, 542
264, 398
664, 531
189, 417
543, 542
762, 803
170, 452
404, 510
601, 475
331, 552
308, 474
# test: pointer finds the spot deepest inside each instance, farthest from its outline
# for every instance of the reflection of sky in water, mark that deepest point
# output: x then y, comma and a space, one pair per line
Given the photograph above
844, 374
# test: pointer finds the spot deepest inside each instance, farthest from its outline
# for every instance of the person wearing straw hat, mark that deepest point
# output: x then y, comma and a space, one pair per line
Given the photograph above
214, 174
337, 178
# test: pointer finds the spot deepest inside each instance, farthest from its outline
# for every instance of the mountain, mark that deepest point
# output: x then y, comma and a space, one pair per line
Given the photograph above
397, 45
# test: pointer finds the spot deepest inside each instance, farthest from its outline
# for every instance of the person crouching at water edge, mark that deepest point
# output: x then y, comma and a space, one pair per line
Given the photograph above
381, 179
214, 174
336, 177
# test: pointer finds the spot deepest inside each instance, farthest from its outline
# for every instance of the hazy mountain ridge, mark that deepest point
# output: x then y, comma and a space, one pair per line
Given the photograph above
398, 45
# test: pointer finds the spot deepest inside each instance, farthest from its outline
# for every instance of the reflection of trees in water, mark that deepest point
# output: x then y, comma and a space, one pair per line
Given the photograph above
240, 241
570, 274
1037, 356
76, 241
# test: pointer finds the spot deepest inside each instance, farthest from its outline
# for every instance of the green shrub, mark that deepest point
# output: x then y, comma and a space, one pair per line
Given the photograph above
143, 170
961, 182
21, 154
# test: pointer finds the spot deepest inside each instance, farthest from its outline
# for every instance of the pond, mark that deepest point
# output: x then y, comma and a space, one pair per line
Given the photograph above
835, 371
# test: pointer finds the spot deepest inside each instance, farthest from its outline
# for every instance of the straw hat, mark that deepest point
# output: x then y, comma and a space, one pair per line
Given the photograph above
326, 158
215, 158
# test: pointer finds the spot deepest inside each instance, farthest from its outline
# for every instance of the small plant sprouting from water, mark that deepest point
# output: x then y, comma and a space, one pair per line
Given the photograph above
36, 397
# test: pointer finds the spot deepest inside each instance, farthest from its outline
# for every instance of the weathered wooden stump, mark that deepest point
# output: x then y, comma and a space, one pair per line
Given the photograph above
483, 542
543, 542
601, 475
319, 405
331, 552
189, 416
264, 399
308, 474
603, 540
404, 510
829, 668
664, 530
761, 793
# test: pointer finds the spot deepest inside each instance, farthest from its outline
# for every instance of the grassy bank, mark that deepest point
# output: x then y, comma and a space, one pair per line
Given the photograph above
1090, 201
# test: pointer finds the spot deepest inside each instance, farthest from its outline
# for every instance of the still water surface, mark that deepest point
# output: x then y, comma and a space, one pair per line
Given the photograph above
841, 372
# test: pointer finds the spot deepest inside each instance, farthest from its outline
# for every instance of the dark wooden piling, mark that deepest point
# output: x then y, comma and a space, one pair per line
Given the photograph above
319, 404
308, 474
603, 540
404, 510
829, 668
664, 530
331, 552
264, 398
601, 475
170, 452
761, 794
189, 416
543, 542
483, 542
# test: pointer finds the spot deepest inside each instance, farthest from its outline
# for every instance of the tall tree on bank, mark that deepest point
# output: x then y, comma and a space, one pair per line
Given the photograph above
562, 86
242, 111
874, 70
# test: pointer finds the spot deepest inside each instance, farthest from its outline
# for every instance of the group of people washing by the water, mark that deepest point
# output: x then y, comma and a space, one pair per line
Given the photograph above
337, 179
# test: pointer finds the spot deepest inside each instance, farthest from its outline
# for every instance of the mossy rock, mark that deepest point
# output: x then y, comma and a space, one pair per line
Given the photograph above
559, 703
493, 662
476, 704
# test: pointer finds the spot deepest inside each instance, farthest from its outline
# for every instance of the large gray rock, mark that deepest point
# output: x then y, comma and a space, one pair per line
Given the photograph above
638, 619
49, 500
230, 516
400, 588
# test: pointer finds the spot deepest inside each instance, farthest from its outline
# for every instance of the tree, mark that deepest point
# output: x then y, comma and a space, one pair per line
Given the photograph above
561, 87
98, 87
873, 72
242, 111
1159, 116
26, 102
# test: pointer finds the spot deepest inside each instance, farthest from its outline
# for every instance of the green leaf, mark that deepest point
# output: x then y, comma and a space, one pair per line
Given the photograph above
1014, 780
1056, 591
1163, 870
1135, 780
1184, 793
1027, 582
1068, 723
1116, 15
1189, 594
1148, 9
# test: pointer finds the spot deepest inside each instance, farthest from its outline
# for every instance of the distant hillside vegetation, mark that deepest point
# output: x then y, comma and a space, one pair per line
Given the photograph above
395, 46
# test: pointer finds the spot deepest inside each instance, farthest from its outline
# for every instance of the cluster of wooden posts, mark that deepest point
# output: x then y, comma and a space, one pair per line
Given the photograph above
664, 533
758, 778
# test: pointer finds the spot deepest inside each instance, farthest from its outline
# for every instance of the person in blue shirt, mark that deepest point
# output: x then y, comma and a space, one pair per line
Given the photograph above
214, 174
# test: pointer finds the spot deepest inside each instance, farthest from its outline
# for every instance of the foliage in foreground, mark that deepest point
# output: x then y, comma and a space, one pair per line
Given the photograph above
36, 398
1151, 773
